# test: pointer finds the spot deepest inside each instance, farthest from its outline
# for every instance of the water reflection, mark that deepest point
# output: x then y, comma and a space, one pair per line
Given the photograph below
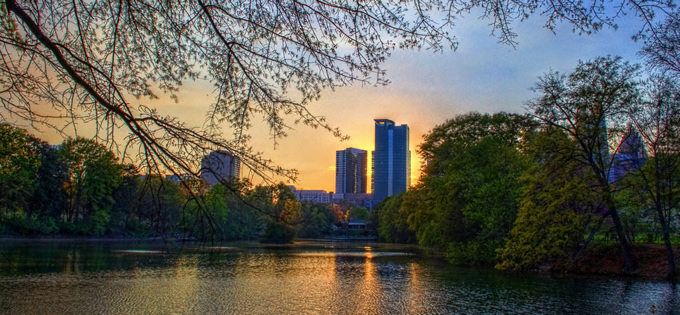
320, 278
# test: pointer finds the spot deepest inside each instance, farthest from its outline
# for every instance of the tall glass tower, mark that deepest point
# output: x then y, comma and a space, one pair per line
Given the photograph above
350, 171
391, 160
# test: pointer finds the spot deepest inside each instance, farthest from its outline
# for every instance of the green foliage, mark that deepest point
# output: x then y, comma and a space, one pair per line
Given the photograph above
96, 223
442, 143
316, 220
205, 217
243, 221
487, 190
49, 198
124, 215
359, 213
19, 164
22, 224
284, 215
589, 106
278, 233
94, 173
467, 200
556, 210
160, 205
392, 219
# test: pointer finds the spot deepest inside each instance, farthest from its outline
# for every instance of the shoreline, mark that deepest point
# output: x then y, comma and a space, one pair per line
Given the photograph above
606, 261
72, 238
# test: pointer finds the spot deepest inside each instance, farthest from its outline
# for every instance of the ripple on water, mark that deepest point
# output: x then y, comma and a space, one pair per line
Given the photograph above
243, 280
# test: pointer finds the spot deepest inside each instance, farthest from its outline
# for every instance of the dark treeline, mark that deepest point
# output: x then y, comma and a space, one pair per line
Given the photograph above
595, 161
80, 188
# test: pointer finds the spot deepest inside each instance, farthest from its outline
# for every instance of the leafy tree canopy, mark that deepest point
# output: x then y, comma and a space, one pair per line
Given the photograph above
445, 141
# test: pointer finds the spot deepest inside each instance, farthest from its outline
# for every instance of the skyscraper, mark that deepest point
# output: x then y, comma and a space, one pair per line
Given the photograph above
391, 160
350, 171
630, 157
219, 166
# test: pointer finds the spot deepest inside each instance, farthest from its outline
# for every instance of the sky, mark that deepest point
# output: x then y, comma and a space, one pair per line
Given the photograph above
426, 89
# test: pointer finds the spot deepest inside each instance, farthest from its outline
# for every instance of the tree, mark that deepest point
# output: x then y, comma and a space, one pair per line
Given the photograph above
284, 214
657, 119
49, 198
556, 206
392, 220
94, 173
441, 144
662, 46
125, 213
467, 200
589, 106
19, 164
99, 61
242, 222
161, 205
475, 202
207, 222
359, 213
317, 220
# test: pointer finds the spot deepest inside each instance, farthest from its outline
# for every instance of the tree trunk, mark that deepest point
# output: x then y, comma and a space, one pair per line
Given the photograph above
670, 254
629, 262
667, 242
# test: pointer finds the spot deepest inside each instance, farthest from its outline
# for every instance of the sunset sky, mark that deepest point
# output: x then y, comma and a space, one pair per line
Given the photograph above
426, 89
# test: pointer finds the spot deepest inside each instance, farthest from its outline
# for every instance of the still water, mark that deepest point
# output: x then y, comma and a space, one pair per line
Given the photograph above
304, 278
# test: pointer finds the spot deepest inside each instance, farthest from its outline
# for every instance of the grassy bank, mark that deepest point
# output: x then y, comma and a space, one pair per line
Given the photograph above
606, 260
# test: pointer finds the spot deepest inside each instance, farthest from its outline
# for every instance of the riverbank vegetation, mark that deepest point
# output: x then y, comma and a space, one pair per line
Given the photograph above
592, 170
594, 164
79, 188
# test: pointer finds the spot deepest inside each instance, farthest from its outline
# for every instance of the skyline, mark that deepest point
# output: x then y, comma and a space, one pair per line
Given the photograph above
426, 89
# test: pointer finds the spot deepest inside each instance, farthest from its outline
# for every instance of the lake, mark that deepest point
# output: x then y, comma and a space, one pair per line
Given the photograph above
62, 277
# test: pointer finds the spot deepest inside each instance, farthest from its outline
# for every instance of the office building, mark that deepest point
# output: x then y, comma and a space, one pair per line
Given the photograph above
219, 166
631, 156
350, 171
391, 160
315, 196
360, 200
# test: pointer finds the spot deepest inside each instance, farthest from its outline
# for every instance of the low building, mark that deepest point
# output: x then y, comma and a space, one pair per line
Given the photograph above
360, 200
315, 196
357, 225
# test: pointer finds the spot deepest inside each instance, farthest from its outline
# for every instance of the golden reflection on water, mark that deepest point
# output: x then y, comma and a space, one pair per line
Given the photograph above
176, 288
415, 288
369, 290
72, 262
286, 281
359, 289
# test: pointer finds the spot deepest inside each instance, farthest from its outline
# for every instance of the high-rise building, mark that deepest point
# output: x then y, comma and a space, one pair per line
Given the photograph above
350, 171
219, 166
631, 156
391, 160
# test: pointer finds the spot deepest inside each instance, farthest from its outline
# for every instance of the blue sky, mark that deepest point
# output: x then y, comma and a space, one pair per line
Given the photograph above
427, 88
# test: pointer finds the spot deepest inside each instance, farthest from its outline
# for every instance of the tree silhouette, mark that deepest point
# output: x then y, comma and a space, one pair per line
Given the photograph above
66, 62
